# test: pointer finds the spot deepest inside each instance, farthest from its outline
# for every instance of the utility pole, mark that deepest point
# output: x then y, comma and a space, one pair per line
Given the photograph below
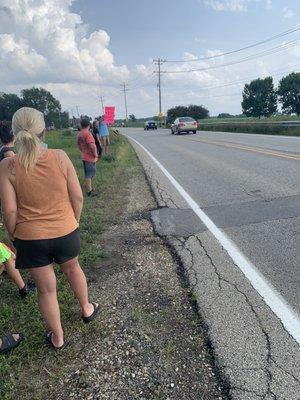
102, 99
124, 89
159, 63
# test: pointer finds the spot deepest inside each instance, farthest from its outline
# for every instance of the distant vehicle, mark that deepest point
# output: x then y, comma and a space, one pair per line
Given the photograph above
150, 125
184, 124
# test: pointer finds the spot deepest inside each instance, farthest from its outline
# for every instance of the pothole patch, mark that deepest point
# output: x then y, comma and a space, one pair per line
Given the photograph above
176, 222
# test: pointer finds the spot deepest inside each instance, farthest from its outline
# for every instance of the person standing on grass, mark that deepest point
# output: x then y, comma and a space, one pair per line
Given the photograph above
42, 202
104, 135
8, 140
89, 155
96, 135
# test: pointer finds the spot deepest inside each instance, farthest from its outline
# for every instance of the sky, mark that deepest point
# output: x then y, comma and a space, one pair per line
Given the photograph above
83, 49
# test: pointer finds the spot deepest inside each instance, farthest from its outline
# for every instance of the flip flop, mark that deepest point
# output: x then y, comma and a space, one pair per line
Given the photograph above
9, 343
49, 341
91, 317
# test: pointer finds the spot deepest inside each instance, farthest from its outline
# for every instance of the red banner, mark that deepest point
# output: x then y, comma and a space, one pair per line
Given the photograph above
109, 116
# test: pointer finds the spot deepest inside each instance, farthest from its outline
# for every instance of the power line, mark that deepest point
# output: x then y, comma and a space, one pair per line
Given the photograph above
288, 32
273, 50
274, 73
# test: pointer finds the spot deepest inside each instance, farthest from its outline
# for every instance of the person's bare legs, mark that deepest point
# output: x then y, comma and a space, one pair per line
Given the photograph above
14, 273
45, 280
88, 185
103, 143
107, 144
78, 284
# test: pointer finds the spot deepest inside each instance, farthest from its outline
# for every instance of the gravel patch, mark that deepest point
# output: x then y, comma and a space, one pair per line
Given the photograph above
147, 342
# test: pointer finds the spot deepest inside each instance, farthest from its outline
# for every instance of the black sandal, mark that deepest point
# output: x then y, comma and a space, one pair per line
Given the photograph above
49, 341
9, 343
91, 317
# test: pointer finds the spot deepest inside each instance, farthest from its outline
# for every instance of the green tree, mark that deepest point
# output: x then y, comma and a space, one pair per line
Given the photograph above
197, 112
59, 120
289, 93
175, 112
259, 98
43, 101
9, 104
132, 118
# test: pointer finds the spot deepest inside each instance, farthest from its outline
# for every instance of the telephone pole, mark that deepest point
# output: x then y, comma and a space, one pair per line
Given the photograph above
124, 89
102, 99
159, 63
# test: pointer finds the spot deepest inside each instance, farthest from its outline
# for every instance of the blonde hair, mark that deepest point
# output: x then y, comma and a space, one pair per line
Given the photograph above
28, 125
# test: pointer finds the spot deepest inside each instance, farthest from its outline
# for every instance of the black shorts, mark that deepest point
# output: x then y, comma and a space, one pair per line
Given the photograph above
89, 169
39, 253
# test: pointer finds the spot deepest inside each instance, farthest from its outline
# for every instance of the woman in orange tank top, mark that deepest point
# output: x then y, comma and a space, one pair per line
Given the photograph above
42, 203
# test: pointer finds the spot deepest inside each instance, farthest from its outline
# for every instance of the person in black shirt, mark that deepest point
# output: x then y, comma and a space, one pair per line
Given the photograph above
95, 132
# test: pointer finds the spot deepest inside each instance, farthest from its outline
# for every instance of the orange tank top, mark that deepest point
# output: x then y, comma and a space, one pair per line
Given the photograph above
44, 206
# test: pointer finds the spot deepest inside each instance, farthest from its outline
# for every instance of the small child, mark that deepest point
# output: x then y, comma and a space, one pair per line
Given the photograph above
7, 263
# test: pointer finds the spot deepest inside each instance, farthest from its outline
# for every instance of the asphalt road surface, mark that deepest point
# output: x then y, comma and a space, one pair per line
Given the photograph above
249, 186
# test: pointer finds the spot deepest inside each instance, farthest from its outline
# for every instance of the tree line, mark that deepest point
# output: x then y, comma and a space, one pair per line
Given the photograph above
260, 97
194, 111
38, 98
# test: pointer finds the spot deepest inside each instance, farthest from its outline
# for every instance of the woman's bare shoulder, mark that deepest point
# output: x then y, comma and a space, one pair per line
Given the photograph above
7, 166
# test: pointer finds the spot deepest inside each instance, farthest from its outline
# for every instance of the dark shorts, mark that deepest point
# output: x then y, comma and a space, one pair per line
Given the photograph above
39, 253
89, 169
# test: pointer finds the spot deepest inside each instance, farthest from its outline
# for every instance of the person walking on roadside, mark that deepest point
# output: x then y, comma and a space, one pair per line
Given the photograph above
104, 135
42, 203
89, 156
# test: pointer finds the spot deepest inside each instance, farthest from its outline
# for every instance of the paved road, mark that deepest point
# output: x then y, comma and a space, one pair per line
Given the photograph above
249, 186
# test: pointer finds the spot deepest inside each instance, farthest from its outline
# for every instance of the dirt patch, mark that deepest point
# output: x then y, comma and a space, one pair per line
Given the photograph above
147, 342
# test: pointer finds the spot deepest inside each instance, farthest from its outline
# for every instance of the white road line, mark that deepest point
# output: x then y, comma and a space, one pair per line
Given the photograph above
289, 318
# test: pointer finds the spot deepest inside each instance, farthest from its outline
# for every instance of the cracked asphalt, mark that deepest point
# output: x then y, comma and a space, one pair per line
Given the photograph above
255, 199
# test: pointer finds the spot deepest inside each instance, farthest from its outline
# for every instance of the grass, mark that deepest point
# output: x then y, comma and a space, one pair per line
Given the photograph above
274, 118
257, 128
99, 213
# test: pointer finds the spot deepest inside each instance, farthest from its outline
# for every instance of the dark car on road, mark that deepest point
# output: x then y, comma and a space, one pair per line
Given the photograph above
150, 125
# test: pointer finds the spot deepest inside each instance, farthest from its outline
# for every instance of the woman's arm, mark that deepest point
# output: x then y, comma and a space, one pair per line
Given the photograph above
8, 196
74, 187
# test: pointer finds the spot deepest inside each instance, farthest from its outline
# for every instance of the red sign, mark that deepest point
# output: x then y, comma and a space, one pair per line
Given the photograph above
109, 116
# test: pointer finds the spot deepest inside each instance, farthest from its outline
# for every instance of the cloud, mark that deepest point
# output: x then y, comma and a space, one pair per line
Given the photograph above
43, 41
287, 13
234, 5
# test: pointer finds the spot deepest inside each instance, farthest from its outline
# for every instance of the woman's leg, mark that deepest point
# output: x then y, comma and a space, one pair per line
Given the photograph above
14, 273
45, 280
102, 141
78, 284
88, 185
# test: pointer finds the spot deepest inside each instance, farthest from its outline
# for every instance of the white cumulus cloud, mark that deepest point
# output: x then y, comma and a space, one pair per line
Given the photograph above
43, 41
